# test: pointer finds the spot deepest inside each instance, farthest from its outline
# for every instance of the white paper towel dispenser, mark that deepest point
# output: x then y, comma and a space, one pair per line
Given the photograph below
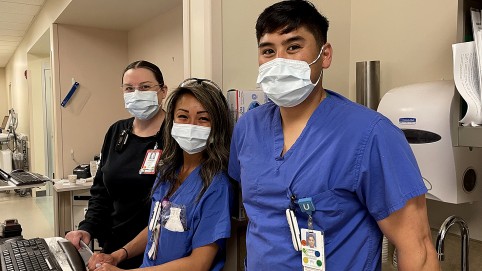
424, 112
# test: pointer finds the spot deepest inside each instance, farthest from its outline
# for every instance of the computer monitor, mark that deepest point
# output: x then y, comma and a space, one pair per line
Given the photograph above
4, 123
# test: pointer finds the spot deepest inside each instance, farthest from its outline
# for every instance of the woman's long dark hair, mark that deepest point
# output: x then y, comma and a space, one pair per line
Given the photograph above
215, 156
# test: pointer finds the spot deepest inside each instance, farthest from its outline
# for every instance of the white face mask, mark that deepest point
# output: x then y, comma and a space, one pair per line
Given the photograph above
191, 138
141, 104
287, 82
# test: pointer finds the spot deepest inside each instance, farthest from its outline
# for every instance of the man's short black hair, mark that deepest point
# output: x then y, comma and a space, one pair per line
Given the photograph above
290, 15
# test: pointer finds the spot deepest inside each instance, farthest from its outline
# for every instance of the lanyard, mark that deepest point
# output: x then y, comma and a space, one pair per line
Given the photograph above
159, 137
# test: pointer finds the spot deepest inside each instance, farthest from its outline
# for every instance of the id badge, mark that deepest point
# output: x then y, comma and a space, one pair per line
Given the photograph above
312, 250
151, 160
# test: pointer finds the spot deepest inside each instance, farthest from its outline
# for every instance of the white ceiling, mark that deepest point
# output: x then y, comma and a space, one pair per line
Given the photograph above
114, 14
15, 19
17, 15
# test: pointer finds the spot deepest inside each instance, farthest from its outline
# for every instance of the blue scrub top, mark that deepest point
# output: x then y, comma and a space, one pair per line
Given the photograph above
208, 220
353, 162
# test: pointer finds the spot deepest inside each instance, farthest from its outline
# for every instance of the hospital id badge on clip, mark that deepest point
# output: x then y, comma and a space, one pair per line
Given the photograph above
312, 250
151, 160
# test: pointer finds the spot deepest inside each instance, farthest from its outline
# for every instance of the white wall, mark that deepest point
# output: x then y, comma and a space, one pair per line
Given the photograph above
37, 111
202, 37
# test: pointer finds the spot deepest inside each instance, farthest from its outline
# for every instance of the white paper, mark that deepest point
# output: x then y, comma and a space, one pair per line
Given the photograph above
477, 32
466, 77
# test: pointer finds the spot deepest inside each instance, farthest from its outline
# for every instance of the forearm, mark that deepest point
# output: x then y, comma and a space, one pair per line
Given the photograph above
408, 229
421, 258
134, 248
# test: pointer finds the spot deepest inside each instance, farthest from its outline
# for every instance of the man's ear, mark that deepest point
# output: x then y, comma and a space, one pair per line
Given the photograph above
326, 55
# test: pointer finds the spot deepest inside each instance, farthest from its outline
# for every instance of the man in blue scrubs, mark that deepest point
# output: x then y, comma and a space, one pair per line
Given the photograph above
316, 161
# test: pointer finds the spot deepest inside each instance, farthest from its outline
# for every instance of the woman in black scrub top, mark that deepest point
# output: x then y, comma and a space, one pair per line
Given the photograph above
119, 207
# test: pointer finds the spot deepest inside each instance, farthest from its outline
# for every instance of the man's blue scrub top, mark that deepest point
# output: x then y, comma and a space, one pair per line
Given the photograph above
208, 220
353, 162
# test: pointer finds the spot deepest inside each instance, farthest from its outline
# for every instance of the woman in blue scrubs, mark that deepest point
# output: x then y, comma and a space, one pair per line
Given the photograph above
191, 200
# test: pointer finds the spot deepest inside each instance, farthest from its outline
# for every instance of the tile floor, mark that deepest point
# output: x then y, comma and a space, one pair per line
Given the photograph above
35, 214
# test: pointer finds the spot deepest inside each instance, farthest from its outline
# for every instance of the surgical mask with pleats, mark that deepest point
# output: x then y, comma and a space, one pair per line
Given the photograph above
287, 82
142, 104
191, 138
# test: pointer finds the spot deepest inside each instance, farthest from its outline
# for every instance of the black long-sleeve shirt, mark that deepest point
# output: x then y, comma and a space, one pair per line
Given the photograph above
119, 206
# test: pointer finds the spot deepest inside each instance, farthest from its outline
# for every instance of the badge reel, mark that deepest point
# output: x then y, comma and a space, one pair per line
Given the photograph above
294, 229
155, 228
312, 243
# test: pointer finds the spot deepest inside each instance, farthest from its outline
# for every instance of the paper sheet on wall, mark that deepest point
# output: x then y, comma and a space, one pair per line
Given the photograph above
466, 77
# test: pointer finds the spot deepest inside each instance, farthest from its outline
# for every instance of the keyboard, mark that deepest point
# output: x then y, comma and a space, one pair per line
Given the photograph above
25, 255
21, 177
39, 254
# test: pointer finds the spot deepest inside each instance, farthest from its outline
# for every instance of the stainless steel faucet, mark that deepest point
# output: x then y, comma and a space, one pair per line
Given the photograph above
464, 232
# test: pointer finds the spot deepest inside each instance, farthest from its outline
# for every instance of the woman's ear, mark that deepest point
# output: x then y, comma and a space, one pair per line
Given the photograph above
162, 92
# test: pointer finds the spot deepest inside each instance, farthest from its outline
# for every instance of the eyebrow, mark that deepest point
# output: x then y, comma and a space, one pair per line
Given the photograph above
187, 111
292, 39
140, 83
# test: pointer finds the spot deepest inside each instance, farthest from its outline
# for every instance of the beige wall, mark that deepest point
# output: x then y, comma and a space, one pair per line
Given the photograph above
359, 31
14, 71
412, 39
338, 13
160, 42
240, 62
95, 58
3, 94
